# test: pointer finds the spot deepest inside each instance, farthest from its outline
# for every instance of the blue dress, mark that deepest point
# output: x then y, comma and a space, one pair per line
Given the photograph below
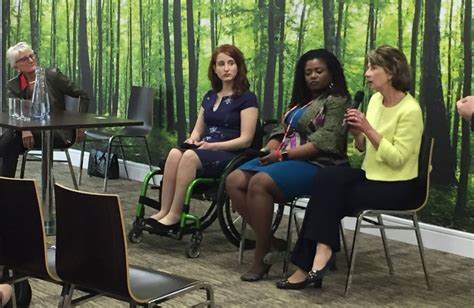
293, 177
222, 125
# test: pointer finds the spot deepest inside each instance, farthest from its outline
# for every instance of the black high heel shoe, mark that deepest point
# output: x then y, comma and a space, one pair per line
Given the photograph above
313, 277
252, 277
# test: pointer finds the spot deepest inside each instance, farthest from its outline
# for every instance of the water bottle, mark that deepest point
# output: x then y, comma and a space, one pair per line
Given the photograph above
40, 107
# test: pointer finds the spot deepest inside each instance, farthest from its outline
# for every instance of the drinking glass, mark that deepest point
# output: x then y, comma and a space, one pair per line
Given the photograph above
14, 110
26, 109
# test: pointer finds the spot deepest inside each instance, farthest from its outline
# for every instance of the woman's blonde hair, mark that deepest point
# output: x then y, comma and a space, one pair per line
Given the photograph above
14, 52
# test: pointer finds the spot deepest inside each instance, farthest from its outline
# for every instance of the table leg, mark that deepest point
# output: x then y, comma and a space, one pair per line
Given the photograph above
47, 182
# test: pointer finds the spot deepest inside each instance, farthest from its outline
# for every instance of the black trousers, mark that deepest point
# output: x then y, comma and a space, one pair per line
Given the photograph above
11, 146
340, 192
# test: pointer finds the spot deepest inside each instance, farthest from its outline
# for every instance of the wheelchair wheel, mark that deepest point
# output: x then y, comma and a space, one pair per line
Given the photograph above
192, 248
230, 222
135, 236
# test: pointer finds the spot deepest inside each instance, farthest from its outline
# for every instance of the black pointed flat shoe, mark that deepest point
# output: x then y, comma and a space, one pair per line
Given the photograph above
157, 227
314, 277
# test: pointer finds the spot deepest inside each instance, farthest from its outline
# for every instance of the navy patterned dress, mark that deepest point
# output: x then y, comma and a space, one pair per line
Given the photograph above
221, 125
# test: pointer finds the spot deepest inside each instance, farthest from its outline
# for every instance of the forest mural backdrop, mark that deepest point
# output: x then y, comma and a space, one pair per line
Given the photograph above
109, 45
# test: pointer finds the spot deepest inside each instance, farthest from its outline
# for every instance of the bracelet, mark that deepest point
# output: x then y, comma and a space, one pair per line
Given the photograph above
278, 153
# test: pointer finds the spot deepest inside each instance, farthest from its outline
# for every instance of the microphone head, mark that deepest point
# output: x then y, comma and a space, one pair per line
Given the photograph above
358, 98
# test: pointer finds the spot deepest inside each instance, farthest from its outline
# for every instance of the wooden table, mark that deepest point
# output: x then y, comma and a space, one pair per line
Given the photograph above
58, 120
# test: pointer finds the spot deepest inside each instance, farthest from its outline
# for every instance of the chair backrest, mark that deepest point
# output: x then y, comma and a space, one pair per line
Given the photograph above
91, 250
21, 228
257, 140
72, 103
140, 105
424, 169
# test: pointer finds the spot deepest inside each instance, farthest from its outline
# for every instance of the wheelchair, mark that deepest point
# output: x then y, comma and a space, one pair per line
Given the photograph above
206, 187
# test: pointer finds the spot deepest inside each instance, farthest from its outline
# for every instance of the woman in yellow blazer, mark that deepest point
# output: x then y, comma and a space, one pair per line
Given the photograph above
390, 134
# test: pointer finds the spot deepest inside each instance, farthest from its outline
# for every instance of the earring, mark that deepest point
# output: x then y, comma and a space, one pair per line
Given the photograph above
331, 86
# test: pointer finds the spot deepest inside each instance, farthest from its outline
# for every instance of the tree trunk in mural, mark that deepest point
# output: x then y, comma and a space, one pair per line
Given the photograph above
268, 91
450, 90
344, 35
100, 96
18, 21
299, 45
259, 48
369, 41
414, 45
340, 17
34, 26
4, 30
281, 57
328, 25
68, 42
168, 78
142, 43
431, 95
461, 200
110, 64
213, 24
52, 44
193, 69
74, 38
178, 72
400, 26
130, 49
86, 76
117, 66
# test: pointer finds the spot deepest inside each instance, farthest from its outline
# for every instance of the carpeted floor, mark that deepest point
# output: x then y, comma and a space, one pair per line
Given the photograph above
452, 276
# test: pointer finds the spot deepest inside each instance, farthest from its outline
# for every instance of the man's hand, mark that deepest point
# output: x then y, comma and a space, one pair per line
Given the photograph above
27, 138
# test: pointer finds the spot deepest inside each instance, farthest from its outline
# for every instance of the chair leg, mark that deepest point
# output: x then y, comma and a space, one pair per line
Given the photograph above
344, 243
107, 162
210, 296
385, 244
66, 296
149, 158
71, 169
286, 261
23, 164
422, 250
124, 158
82, 159
350, 271
243, 230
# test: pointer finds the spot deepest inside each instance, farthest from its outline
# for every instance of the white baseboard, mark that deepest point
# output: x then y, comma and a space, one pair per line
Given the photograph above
434, 237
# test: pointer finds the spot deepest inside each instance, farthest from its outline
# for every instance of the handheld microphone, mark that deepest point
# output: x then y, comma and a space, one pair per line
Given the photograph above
358, 98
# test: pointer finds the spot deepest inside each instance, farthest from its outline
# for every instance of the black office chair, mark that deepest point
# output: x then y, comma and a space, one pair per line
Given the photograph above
23, 252
88, 223
72, 104
423, 183
140, 107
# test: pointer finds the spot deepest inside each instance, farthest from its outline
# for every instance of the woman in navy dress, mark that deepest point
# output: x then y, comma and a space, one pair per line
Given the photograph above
225, 126
310, 137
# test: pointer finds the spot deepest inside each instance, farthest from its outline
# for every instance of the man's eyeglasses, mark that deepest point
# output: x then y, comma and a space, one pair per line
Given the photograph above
27, 58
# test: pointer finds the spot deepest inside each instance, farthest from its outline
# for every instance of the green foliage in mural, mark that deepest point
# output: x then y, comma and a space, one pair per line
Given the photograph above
128, 42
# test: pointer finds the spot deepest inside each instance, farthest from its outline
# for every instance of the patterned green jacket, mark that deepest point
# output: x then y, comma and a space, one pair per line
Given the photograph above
326, 135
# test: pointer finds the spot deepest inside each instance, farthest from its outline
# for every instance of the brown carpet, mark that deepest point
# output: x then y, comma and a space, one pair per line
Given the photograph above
452, 276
